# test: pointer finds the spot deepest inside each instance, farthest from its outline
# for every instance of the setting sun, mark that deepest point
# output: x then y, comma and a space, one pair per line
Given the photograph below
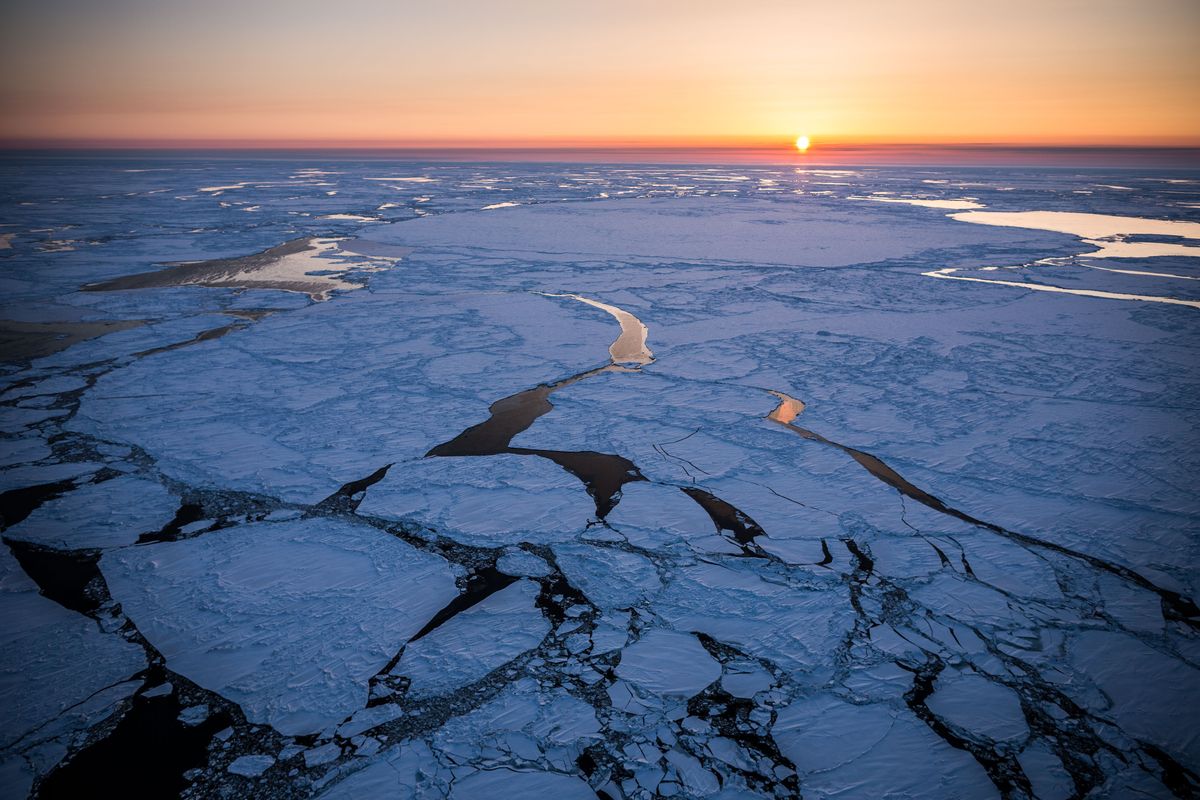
802, 143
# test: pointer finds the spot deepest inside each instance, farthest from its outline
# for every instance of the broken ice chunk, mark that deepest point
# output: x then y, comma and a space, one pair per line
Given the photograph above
58, 672
1045, 772
745, 679
193, 715
470, 645
522, 564
651, 514
251, 766
106, 514
23, 451
321, 755
978, 705
610, 577
879, 751
1150, 694
668, 663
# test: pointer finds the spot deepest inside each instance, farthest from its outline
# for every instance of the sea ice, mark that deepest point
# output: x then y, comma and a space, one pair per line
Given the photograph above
911, 484
742, 231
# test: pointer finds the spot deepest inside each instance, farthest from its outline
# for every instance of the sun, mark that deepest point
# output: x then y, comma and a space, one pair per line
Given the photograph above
802, 143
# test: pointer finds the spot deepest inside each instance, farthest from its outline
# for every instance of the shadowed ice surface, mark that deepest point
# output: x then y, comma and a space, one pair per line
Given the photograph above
327, 477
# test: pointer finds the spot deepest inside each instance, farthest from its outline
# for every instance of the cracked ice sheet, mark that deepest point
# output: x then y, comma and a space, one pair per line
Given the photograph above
486, 502
59, 674
106, 514
703, 432
894, 385
471, 644
289, 620
301, 403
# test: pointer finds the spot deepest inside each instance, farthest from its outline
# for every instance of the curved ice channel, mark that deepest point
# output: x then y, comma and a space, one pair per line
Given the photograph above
630, 347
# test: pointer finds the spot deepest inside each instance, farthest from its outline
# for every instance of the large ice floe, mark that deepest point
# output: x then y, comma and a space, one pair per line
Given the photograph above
288, 619
598, 481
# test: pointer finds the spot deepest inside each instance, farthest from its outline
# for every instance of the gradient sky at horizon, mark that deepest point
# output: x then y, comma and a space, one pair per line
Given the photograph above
545, 73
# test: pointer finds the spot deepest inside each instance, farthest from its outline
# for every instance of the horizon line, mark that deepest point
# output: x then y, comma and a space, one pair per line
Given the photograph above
567, 143
773, 152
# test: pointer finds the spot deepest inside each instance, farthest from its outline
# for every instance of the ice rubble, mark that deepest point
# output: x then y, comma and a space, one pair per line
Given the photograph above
287, 619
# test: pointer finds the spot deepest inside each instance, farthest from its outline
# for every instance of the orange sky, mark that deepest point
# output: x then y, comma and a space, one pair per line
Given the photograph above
608, 71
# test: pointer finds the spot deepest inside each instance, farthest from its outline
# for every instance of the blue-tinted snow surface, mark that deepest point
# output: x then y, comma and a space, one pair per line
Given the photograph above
966, 568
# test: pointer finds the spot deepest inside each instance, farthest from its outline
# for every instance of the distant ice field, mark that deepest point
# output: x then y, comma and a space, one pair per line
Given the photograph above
371, 478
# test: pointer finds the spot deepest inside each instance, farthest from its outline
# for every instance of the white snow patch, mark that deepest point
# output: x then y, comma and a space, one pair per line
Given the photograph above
351, 217
1085, 226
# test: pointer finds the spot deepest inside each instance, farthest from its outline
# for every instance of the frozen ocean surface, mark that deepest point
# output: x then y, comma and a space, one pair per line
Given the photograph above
341, 478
